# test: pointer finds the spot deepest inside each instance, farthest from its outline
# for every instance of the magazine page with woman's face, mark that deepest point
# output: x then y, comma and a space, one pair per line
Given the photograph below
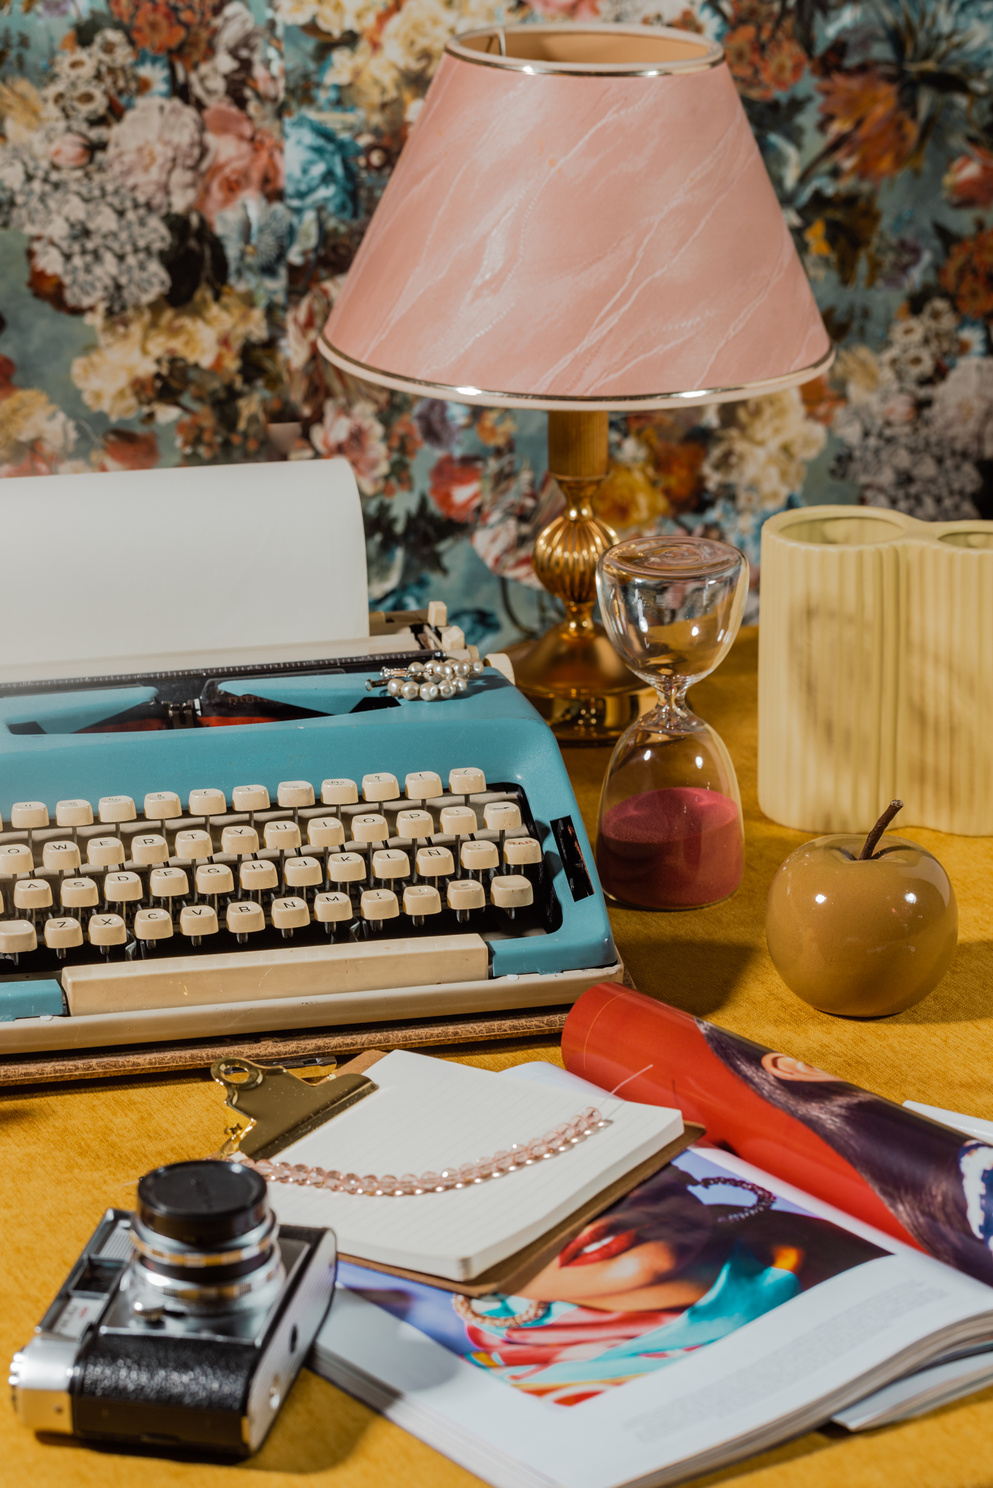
709, 1282
913, 1178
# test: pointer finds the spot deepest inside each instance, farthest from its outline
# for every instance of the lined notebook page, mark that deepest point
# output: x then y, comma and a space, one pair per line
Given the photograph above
429, 1114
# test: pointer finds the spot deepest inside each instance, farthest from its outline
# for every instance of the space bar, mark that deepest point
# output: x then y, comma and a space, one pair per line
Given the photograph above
319, 971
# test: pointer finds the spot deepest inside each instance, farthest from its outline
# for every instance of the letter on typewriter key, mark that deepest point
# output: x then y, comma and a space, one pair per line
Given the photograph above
168, 883
476, 857
502, 816
379, 905
331, 909
249, 798
380, 788
434, 862
196, 920
244, 919
122, 888
467, 781
106, 930
149, 849
15, 857
390, 863
162, 806
214, 878
32, 894
257, 875
290, 913
294, 794
325, 831
415, 825
207, 802
459, 821
283, 835
74, 813
27, 815
116, 809
339, 793
464, 895
193, 847
420, 900
63, 934
521, 850
369, 828
303, 873
105, 852
240, 842
79, 893
60, 857
153, 924
422, 785
346, 867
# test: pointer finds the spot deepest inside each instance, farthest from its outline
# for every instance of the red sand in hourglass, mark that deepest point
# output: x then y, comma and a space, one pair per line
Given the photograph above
677, 848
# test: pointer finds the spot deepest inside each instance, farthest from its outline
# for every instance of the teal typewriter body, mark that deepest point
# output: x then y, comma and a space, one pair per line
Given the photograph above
356, 903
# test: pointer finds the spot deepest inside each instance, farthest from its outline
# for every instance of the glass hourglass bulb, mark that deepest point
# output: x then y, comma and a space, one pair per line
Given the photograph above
670, 832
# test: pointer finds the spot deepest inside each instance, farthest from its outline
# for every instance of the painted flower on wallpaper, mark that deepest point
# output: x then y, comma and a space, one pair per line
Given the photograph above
256, 236
155, 153
237, 61
457, 486
763, 53
967, 275
762, 449
969, 179
320, 173
913, 428
128, 372
873, 137
36, 438
179, 28
243, 161
353, 430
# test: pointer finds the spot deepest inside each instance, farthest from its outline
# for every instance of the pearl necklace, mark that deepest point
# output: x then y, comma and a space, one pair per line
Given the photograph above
518, 1155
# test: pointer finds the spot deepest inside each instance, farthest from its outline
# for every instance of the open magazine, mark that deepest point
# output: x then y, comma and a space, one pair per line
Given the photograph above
714, 1311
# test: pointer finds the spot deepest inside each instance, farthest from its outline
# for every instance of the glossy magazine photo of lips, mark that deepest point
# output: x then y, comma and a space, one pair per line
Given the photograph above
686, 1258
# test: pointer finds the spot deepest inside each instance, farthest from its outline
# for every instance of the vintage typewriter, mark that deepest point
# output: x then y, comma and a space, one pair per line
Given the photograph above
234, 834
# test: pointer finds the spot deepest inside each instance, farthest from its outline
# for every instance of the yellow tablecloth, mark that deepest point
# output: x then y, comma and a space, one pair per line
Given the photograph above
69, 1153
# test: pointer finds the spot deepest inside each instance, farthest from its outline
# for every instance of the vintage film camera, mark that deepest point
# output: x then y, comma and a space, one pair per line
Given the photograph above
183, 1324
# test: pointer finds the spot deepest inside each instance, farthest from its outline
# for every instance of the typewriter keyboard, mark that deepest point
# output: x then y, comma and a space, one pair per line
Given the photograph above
165, 902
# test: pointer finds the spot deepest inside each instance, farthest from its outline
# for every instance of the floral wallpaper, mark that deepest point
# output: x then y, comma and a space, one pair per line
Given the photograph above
183, 184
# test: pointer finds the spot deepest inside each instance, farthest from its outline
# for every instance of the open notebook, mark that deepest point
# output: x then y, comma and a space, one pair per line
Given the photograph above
428, 1114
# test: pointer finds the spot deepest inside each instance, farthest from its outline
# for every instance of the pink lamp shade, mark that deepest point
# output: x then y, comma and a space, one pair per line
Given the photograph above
583, 222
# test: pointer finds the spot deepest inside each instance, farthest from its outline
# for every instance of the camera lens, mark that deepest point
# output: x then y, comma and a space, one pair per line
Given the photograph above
202, 1203
204, 1232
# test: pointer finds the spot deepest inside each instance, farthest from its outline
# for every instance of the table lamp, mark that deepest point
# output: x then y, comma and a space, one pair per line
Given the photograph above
580, 221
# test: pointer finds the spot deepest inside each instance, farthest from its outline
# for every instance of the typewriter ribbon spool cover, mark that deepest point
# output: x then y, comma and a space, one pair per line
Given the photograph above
396, 860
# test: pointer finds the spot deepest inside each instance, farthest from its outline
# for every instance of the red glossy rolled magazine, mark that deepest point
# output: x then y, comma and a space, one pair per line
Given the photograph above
914, 1179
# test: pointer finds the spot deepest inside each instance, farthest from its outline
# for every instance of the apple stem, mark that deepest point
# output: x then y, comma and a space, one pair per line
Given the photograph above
879, 829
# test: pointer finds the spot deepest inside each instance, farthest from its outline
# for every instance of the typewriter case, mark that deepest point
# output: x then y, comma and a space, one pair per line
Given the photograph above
95, 701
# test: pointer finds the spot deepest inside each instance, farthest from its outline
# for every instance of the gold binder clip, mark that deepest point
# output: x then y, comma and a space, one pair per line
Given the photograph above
279, 1107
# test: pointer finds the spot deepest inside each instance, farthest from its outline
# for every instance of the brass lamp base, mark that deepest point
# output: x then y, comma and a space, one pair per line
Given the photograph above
579, 684
572, 675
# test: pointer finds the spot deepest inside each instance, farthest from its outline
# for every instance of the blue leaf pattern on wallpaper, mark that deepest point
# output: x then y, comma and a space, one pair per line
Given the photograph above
183, 184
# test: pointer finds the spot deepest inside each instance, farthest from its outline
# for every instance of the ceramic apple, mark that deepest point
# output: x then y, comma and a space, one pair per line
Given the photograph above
862, 928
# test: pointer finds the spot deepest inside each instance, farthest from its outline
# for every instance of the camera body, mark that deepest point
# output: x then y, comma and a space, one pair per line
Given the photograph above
183, 1324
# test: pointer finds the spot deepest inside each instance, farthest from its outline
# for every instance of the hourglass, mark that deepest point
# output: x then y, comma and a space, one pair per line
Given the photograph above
670, 833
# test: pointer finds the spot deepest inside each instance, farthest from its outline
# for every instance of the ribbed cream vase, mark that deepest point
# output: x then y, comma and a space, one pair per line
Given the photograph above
876, 670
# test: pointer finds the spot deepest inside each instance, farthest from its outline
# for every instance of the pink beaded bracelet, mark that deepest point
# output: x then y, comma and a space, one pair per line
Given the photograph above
519, 1155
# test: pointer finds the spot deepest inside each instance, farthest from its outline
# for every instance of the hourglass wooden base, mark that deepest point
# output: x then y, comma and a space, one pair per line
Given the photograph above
572, 674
